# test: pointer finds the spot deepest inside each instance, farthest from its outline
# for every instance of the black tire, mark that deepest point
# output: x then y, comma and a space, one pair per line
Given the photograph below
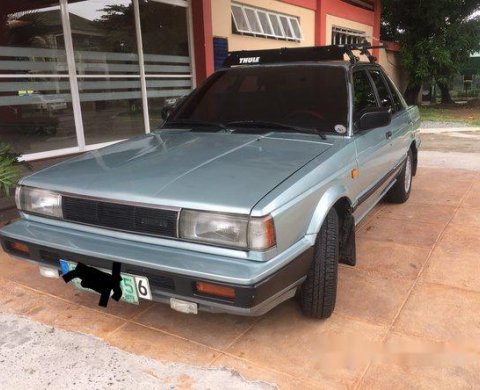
319, 291
400, 192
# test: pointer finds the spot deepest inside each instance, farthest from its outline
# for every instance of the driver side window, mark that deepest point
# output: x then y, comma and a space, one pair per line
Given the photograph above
364, 94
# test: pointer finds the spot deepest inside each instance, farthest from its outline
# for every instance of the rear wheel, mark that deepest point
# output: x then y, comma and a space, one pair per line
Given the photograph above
319, 291
400, 192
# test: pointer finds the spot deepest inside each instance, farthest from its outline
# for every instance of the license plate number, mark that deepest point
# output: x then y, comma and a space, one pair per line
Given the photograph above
133, 286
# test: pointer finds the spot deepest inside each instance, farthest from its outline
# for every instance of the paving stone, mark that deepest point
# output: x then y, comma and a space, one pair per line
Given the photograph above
328, 351
159, 345
402, 232
389, 259
407, 362
215, 330
442, 314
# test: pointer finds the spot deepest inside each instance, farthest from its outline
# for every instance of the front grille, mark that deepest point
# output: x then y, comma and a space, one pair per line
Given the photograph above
136, 219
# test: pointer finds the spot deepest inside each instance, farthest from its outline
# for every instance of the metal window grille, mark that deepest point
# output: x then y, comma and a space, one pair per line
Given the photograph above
258, 22
343, 36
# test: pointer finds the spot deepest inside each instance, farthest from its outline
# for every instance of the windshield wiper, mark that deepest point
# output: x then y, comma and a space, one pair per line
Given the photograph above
194, 122
274, 126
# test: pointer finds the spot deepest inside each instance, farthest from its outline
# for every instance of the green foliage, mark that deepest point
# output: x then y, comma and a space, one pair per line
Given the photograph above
471, 67
9, 169
436, 36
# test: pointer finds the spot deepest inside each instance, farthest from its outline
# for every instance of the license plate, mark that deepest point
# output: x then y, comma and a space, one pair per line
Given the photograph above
133, 286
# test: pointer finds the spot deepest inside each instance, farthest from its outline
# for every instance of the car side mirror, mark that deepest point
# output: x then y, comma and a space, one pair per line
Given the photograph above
372, 118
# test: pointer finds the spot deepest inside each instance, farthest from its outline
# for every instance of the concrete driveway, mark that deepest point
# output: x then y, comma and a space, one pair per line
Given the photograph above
408, 315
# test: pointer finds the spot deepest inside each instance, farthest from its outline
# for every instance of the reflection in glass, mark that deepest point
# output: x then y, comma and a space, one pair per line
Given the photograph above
162, 92
167, 61
111, 109
106, 59
35, 103
164, 29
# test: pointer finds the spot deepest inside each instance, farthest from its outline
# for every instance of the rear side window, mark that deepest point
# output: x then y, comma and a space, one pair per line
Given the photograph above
364, 94
382, 89
396, 96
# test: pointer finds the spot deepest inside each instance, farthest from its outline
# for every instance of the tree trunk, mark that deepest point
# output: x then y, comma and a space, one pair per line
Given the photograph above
411, 94
446, 98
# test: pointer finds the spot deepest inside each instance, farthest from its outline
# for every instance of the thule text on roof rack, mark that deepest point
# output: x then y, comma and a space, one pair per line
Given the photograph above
300, 54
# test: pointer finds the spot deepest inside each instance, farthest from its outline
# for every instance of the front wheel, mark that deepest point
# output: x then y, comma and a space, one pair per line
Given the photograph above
400, 192
319, 291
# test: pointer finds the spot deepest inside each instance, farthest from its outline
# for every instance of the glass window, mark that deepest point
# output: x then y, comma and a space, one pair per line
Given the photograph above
286, 27
166, 51
106, 62
240, 19
249, 20
36, 112
262, 16
252, 20
398, 101
277, 29
364, 94
382, 89
296, 28
309, 96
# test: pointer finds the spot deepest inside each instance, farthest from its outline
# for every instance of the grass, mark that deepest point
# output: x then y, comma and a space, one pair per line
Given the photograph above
459, 113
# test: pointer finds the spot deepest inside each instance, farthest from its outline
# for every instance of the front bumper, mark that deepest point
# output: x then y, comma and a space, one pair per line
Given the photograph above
172, 272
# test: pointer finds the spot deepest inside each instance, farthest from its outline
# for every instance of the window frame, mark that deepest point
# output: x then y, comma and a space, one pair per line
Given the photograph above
290, 20
269, 22
297, 21
243, 15
384, 79
257, 19
73, 78
365, 70
347, 33
394, 92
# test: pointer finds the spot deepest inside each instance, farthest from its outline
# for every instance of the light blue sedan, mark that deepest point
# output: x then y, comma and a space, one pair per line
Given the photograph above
247, 196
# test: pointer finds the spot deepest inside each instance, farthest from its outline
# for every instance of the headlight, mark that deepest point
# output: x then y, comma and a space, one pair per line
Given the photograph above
37, 201
235, 231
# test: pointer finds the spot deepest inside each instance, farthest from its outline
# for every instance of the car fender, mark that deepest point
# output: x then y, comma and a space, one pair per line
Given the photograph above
327, 201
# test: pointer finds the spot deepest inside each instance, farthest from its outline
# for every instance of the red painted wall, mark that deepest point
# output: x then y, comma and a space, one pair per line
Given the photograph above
347, 11
310, 4
202, 39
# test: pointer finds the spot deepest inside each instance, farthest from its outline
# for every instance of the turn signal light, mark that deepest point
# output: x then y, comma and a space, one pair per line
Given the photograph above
261, 235
19, 248
215, 290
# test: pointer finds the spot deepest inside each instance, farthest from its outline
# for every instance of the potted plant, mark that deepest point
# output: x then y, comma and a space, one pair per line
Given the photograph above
9, 169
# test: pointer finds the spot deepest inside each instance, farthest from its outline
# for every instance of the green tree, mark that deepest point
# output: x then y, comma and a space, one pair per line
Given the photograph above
436, 38
163, 28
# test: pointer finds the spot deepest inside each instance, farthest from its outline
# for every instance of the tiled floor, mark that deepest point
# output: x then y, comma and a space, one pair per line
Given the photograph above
407, 316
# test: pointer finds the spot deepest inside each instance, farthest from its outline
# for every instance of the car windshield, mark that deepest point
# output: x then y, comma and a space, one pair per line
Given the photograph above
306, 96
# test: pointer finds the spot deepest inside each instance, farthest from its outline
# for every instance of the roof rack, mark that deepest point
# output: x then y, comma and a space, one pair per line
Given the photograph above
300, 54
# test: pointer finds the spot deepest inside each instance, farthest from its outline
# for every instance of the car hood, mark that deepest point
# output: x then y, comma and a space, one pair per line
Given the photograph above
210, 171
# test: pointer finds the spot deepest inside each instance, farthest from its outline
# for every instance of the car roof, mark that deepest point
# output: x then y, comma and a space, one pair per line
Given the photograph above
334, 54
343, 64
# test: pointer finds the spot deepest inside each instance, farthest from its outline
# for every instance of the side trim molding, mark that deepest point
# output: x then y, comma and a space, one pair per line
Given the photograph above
390, 176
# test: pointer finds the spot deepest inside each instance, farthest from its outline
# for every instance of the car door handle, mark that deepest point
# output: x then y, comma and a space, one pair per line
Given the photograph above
388, 135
